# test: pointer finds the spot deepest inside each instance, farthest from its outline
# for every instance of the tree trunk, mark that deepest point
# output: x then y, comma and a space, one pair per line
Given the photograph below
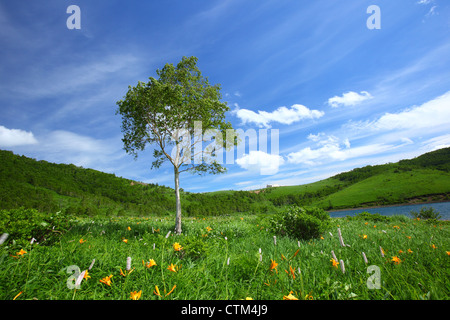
178, 201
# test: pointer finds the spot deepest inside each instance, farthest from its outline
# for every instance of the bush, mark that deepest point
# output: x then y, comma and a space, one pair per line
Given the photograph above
426, 213
367, 216
301, 222
24, 224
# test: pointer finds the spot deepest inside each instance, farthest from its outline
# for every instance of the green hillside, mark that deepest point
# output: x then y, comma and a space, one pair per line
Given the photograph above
49, 187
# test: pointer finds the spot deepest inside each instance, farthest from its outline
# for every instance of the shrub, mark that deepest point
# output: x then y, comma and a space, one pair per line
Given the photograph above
426, 213
24, 224
301, 222
367, 216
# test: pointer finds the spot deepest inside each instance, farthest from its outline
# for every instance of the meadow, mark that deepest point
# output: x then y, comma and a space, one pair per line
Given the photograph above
231, 257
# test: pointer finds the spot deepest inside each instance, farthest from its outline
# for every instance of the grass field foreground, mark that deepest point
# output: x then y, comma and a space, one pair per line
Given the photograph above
234, 257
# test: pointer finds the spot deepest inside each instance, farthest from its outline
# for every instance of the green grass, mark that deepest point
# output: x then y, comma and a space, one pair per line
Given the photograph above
203, 272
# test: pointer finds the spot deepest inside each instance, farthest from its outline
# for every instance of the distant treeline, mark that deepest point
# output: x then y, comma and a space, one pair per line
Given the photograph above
49, 187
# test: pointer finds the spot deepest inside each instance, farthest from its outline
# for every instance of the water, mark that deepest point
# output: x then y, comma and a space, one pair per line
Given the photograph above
442, 207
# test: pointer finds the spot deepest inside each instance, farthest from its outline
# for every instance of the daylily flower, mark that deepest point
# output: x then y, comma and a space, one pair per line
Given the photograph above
82, 241
273, 264
396, 260
208, 229
177, 246
135, 295
125, 240
334, 262
151, 263
107, 280
157, 291
173, 288
289, 297
172, 268
409, 251
86, 275
129, 229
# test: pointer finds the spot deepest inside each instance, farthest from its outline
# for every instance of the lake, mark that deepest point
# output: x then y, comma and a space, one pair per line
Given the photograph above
442, 207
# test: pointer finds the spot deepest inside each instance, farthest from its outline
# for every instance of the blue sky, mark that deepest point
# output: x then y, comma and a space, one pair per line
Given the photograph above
341, 95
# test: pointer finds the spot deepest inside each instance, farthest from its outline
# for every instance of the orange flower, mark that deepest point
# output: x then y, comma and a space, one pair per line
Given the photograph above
410, 251
334, 262
396, 260
273, 264
172, 268
82, 241
107, 280
135, 295
171, 290
125, 240
208, 229
289, 297
20, 253
177, 246
151, 263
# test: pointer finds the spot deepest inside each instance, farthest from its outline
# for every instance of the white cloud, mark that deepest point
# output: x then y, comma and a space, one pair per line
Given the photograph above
431, 114
15, 137
281, 115
263, 162
349, 99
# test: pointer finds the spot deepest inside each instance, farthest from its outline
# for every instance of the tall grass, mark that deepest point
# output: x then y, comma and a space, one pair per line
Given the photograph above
221, 259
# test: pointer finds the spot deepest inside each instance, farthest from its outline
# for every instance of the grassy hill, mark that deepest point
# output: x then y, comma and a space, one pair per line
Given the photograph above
49, 187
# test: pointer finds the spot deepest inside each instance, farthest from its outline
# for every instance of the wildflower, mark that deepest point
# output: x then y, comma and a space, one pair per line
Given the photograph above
292, 272
151, 263
400, 251
448, 253
396, 227
309, 297
342, 265
177, 246
341, 240
125, 240
334, 262
248, 298
157, 291
172, 268
208, 229
107, 280
289, 297
21, 252
433, 246
129, 229
171, 290
283, 257
82, 241
321, 237
396, 260
409, 237
17, 295
135, 295
364, 236
273, 264
409, 251
365, 258
86, 275
128, 263
296, 252
382, 251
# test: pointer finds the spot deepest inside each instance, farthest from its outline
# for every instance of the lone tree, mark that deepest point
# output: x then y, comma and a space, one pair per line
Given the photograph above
173, 114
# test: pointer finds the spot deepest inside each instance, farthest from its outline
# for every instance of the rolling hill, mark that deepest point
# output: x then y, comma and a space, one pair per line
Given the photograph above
49, 187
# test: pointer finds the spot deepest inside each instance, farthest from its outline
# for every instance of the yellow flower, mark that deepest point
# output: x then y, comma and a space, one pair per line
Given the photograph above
289, 297
177, 246
107, 280
410, 251
157, 291
151, 263
273, 264
129, 229
334, 262
125, 240
433, 246
396, 260
86, 275
172, 268
208, 229
21, 252
448, 253
135, 295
